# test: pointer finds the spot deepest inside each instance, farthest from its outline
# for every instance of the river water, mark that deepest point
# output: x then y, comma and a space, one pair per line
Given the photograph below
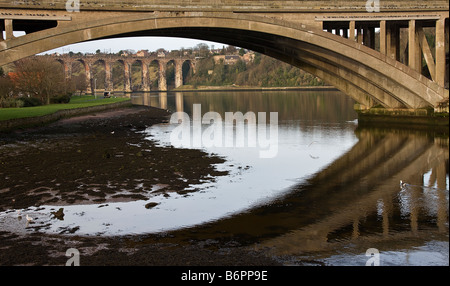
326, 190
332, 192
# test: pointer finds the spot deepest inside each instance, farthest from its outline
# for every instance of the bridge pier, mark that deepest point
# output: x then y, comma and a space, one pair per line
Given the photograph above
67, 70
400, 117
89, 85
162, 84
127, 80
145, 77
108, 77
178, 74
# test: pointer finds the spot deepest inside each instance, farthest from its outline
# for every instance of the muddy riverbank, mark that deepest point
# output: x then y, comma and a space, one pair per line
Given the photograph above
99, 159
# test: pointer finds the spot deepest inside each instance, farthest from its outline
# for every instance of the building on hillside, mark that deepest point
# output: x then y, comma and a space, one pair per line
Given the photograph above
227, 59
161, 54
248, 57
232, 59
142, 53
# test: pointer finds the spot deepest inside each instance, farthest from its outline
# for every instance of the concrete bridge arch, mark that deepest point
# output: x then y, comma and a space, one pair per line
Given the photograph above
368, 76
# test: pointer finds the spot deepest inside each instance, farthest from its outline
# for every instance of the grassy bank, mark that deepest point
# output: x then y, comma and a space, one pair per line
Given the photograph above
75, 102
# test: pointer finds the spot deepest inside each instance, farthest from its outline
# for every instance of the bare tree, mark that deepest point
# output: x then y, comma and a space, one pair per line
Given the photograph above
6, 87
40, 77
79, 83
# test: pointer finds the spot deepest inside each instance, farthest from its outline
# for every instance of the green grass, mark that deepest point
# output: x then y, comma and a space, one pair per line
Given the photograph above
75, 102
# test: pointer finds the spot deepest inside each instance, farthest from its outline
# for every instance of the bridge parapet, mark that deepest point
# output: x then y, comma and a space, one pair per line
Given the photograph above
229, 5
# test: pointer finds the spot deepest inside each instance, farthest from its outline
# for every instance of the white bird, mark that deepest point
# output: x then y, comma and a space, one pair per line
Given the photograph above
29, 218
112, 132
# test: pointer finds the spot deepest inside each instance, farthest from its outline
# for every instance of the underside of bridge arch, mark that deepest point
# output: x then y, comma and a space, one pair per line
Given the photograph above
358, 71
346, 79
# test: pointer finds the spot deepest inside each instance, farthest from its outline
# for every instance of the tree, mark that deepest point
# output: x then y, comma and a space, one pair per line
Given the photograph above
6, 87
40, 77
202, 50
231, 50
79, 83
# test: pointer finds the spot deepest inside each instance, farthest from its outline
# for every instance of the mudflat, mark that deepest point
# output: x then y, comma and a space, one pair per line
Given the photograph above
98, 159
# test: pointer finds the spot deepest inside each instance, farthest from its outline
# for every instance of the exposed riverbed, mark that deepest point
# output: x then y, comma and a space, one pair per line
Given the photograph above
97, 160
112, 186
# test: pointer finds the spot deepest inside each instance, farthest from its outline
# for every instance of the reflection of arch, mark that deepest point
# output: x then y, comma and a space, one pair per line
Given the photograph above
345, 194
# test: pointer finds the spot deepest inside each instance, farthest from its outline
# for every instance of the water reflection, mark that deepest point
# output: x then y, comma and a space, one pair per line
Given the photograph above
360, 198
355, 203
325, 107
332, 192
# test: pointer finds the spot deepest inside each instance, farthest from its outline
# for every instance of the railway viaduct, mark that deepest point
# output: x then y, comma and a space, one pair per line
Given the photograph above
107, 61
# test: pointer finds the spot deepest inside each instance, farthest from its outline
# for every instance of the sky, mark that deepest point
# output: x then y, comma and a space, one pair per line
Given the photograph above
137, 43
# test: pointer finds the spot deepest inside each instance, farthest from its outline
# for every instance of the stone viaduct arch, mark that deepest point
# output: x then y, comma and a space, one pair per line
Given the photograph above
293, 33
108, 60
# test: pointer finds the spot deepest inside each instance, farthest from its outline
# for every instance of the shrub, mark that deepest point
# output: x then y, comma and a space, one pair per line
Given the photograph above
60, 99
30, 101
10, 102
